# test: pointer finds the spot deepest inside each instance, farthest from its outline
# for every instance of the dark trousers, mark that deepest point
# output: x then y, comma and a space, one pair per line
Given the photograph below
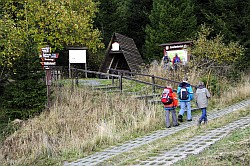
203, 115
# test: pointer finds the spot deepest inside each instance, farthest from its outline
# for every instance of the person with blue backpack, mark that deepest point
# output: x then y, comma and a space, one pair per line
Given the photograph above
185, 95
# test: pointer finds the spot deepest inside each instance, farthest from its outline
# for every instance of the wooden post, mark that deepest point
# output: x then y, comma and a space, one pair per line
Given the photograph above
48, 84
153, 82
72, 83
69, 71
120, 81
86, 74
76, 76
113, 81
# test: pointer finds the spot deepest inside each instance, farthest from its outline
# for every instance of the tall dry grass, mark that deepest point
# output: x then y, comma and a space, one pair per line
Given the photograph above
82, 121
234, 93
229, 94
78, 123
156, 68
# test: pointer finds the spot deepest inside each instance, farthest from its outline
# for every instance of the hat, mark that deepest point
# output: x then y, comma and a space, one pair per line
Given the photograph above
169, 86
185, 79
201, 83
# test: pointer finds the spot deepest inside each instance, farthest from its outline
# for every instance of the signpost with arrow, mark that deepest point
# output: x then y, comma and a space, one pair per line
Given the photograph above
48, 60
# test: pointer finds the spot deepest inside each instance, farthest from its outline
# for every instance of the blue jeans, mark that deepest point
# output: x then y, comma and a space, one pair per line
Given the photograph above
184, 105
203, 115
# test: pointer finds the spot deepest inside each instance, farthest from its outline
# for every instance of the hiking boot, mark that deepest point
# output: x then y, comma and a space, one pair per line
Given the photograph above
168, 126
199, 123
176, 125
189, 120
180, 118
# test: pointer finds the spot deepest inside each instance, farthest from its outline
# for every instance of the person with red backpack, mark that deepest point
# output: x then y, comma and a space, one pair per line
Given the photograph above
170, 102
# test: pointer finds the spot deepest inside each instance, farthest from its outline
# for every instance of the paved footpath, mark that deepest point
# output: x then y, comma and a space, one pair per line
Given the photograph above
100, 157
195, 145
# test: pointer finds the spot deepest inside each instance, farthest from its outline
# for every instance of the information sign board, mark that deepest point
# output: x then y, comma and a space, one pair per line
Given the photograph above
77, 56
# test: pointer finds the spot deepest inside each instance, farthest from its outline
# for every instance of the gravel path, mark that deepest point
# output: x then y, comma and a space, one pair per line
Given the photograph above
127, 146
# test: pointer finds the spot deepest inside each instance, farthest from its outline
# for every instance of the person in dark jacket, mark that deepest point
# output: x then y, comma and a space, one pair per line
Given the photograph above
185, 95
201, 96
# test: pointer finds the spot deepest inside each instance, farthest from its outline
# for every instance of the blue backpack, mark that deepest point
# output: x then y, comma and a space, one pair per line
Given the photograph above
166, 59
177, 60
183, 94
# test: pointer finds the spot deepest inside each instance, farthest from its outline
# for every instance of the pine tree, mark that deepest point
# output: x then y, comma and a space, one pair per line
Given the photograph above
170, 21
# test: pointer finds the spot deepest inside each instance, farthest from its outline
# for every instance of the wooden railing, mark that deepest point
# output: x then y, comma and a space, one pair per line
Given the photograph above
121, 74
153, 77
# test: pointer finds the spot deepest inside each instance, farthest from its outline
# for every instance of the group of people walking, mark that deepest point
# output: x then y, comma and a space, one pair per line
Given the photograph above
184, 97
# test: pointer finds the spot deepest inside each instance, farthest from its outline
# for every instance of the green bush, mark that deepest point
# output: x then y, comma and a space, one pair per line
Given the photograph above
24, 98
214, 84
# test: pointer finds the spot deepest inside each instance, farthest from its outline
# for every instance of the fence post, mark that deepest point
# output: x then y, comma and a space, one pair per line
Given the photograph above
108, 72
48, 84
153, 82
120, 80
73, 81
113, 81
76, 76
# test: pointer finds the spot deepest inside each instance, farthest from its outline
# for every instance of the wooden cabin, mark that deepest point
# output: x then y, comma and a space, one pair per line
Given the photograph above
121, 54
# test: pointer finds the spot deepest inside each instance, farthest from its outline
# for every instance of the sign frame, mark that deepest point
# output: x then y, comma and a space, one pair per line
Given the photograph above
77, 58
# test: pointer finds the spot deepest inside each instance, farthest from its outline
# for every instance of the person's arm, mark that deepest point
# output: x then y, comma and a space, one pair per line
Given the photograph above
175, 104
162, 61
195, 95
178, 89
191, 93
208, 94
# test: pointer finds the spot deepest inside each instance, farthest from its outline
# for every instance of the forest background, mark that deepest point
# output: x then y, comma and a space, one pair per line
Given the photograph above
28, 25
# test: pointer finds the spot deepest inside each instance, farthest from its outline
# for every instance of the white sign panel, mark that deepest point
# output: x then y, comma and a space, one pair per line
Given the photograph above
115, 46
77, 56
46, 50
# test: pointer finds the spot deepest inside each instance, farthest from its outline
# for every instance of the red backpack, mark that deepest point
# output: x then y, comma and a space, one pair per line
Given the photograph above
167, 96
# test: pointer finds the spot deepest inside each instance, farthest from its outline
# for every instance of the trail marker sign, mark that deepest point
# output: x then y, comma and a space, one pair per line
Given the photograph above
48, 60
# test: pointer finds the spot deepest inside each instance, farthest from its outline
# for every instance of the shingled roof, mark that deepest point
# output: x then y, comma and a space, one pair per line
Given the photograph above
126, 58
